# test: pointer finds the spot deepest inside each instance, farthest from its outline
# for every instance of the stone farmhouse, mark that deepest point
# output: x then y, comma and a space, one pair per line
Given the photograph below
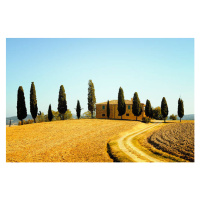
101, 110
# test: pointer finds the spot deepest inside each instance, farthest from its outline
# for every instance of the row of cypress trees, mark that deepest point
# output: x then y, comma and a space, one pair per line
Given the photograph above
164, 109
137, 108
21, 105
62, 103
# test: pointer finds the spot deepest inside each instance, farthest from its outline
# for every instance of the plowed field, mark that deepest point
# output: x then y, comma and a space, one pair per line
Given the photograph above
83, 140
176, 139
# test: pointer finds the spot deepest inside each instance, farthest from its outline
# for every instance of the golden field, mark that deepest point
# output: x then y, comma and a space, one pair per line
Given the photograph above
83, 140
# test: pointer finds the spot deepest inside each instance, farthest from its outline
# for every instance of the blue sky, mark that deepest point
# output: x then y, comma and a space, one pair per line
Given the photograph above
154, 68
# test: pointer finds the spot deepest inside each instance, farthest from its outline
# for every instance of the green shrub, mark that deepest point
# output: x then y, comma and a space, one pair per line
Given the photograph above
173, 117
29, 121
146, 119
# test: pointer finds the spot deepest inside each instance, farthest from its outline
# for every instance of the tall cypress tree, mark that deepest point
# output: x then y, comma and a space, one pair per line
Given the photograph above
50, 114
164, 108
108, 109
78, 109
136, 108
148, 108
121, 103
62, 103
91, 97
151, 113
180, 108
124, 107
21, 105
33, 102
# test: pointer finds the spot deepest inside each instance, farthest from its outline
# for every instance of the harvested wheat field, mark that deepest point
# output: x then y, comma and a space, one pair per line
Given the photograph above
83, 140
176, 139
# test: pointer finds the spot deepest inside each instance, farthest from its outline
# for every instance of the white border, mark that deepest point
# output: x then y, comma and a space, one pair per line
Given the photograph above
90, 19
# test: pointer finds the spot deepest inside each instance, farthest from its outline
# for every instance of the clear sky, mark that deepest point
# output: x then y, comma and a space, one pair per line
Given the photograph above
154, 68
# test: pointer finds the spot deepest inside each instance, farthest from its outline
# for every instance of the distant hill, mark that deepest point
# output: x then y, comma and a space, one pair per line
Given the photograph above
14, 120
74, 116
188, 117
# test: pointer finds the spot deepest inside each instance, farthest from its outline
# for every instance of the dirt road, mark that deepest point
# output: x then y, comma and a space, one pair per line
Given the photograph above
136, 155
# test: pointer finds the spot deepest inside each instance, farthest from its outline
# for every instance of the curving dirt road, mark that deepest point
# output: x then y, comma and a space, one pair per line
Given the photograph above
135, 154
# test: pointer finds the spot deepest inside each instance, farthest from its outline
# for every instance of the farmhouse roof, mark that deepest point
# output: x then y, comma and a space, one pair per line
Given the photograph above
116, 102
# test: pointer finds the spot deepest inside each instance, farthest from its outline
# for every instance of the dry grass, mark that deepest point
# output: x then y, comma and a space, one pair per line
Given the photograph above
176, 139
82, 140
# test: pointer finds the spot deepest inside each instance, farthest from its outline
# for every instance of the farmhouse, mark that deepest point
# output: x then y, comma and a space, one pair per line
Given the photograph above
101, 110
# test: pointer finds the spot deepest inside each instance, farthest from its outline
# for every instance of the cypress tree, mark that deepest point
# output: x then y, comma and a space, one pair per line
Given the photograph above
33, 102
124, 107
180, 108
21, 105
62, 103
50, 114
164, 108
78, 109
151, 113
136, 108
148, 108
91, 97
121, 103
108, 109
